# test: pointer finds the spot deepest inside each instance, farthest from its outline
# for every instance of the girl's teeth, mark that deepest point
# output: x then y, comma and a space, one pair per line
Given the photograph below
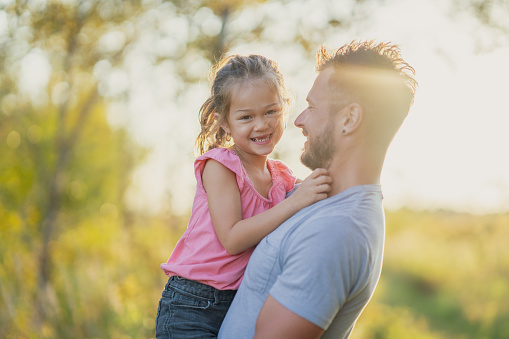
261, 140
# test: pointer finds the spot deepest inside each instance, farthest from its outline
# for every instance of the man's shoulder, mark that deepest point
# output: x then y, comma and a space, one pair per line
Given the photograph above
355, 213
339, 217
328, 231
332, 224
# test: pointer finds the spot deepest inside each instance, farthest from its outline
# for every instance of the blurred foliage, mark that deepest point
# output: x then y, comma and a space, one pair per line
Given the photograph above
491, 16
489, 12
445, 276
77, 261
62, 163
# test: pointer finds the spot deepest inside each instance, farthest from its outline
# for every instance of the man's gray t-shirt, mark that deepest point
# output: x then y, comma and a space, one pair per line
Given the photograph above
322, 264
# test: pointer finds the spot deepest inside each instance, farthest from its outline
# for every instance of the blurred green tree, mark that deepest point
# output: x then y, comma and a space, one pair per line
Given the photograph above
488, 12
491, 16
61, 161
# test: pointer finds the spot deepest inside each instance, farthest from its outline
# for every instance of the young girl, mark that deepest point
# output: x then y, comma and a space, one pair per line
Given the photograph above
240, 196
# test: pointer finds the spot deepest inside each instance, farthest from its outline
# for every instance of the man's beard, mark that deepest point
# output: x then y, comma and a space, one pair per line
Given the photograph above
320, 149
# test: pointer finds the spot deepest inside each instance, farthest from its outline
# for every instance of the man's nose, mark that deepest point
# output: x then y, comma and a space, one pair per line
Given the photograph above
299, 121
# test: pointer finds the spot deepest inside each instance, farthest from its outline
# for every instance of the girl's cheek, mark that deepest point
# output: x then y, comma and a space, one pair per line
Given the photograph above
277, 118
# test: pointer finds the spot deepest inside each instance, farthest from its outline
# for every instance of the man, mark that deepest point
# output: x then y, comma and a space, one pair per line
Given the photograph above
313, 276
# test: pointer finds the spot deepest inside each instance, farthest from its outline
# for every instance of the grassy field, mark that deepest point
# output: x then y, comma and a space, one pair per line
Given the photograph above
445, 275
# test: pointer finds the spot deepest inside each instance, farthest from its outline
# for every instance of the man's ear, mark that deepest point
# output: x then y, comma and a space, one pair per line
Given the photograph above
351, 118
223, 125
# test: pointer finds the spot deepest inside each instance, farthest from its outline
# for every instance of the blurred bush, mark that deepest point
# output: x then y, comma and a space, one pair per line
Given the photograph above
445, 276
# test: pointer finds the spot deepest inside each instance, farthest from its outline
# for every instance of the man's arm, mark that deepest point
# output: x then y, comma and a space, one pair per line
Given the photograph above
276, 321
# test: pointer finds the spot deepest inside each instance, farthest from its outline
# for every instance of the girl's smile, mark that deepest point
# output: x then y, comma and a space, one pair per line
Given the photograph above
255, 121
262, 139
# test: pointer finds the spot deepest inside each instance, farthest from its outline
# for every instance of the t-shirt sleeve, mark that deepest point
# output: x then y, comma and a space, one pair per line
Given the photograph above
224, 156
323, 264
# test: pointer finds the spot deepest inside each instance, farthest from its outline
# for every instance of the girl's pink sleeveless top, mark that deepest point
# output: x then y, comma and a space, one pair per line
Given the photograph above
199, 255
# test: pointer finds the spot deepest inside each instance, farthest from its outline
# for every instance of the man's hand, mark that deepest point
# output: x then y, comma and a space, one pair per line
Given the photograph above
276, 321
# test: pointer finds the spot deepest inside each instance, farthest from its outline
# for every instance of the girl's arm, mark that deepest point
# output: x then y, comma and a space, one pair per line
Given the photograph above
236, 234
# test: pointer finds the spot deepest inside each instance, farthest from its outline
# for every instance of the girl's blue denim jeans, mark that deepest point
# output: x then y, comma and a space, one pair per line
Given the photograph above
190, 309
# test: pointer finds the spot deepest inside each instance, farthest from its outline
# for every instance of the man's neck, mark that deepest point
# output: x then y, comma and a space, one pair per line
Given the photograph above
354, 170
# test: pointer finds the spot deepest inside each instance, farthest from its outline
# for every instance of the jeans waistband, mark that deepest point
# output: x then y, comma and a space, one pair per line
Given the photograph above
200, 290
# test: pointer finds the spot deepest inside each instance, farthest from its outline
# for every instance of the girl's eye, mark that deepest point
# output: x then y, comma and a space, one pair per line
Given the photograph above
245, 117
272, 112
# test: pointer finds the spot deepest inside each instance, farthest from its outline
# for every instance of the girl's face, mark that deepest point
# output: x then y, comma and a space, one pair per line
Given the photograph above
256, 119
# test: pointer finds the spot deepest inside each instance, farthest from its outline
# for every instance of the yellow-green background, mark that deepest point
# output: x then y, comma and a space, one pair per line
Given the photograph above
80, 245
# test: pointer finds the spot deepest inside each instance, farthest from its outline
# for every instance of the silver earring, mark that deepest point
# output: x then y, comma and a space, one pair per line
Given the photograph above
344, 131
